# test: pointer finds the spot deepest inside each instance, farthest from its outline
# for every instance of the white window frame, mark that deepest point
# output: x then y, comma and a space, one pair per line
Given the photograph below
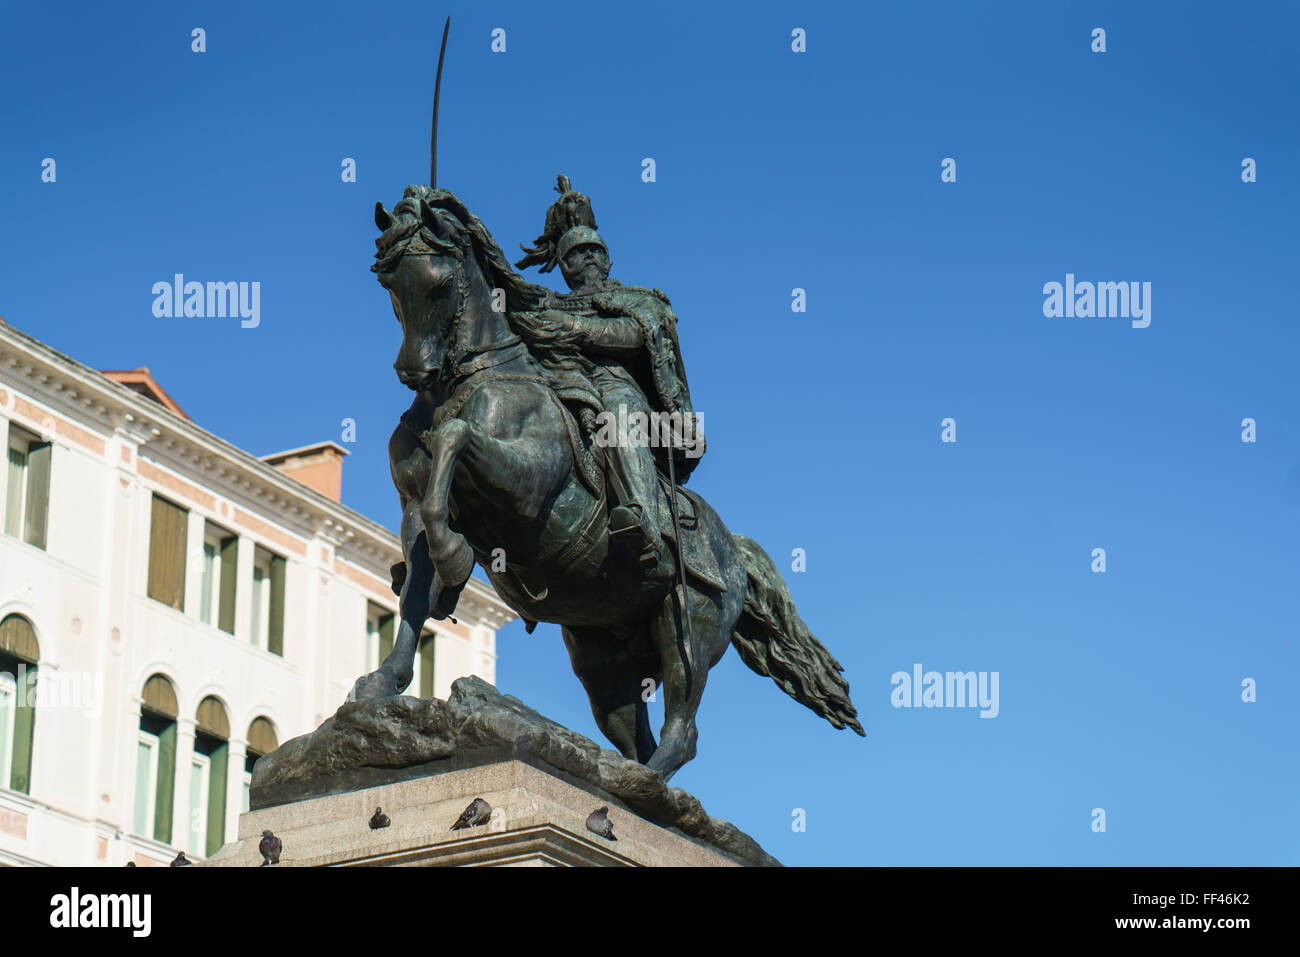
200, 785
413, 689
8, 714
261, 617
214, 573
15, 485
149, 800
373, 614
210, 590
246, 788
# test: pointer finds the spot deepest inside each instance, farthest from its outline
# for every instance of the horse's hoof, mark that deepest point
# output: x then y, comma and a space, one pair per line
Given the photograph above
449, 577
442, 601
377, 684
662, 763
398, 572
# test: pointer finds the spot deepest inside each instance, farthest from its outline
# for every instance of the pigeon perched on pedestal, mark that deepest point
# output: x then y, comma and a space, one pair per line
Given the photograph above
380, 819
270, 847
598, 822
477, 813
181, 861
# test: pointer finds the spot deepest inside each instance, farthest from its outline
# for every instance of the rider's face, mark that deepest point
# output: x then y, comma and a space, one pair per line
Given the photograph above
584, 264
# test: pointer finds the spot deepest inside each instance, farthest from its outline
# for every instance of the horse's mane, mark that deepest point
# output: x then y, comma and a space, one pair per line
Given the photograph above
524, 300
467, 231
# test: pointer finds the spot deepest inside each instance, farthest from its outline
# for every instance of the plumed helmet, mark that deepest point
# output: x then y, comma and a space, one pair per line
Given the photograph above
570, 210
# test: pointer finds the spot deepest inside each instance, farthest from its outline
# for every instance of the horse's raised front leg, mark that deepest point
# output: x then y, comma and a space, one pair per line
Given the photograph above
396, 671
452, 558
517, 475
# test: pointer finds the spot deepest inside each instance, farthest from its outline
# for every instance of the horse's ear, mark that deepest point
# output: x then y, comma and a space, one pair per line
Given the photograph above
383, 218
430, 218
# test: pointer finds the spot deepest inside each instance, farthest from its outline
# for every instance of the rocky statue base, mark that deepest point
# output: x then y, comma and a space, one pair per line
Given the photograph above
425, 761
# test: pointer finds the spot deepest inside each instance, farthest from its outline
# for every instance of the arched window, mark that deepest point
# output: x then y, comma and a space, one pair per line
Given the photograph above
18, 656
261, 741
155, 771
208, 769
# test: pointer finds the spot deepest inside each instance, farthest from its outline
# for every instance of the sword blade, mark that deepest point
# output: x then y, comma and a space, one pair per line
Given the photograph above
688, 640
437, 88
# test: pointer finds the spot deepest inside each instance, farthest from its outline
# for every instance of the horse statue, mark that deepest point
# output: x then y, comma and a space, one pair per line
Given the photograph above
492, 468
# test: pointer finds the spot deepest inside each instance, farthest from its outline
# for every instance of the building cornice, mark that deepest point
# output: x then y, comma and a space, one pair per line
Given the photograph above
172, 441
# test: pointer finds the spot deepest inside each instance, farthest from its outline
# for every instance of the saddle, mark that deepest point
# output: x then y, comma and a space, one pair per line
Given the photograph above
698, 557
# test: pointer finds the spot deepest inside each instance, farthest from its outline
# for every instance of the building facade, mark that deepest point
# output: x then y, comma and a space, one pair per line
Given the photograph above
171, 608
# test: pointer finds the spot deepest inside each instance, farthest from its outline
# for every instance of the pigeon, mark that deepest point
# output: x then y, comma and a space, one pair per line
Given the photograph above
598, 822
379, 820
270, 847
477, 813
181, 861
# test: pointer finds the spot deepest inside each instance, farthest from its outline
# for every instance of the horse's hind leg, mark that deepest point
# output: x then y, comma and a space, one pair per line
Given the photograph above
682, 686
615, 678
713, 617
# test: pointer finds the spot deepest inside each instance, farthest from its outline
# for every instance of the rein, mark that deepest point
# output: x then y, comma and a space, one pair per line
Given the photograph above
450, 331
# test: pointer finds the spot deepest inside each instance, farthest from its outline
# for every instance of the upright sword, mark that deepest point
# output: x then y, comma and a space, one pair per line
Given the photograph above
437, 88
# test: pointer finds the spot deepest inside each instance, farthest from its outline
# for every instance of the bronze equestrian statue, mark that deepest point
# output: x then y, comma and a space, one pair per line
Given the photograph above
516, 453
504, 459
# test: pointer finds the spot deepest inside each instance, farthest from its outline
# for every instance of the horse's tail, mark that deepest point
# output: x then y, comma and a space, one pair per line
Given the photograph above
773, 640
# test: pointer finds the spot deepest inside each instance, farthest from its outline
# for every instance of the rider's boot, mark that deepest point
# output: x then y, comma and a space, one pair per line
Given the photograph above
634, 521
628, 527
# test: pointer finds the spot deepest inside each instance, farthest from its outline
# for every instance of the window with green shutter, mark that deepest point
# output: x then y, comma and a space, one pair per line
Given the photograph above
387, 636
156, 757
167, 531
27, 486
261, 742
269, 572
379, 636
229, 561
208, 809
275, 643
18, 657
217, 590
426, 665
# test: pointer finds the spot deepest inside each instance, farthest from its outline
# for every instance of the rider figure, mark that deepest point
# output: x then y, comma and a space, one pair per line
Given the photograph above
628, 336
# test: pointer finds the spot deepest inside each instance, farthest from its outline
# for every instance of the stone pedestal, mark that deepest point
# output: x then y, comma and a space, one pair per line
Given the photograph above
538, 820
425, 761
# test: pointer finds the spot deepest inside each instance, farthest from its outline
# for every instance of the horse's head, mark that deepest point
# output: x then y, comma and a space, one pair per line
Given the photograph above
446, 276
424, 260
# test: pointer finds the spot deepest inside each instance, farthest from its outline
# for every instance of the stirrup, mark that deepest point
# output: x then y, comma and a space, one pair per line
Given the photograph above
625, 524
626, 529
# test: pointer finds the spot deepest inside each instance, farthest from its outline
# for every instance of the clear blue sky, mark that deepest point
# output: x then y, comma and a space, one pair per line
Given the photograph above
779, 170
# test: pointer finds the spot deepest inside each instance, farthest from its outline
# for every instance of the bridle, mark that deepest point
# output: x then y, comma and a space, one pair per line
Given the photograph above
464, 369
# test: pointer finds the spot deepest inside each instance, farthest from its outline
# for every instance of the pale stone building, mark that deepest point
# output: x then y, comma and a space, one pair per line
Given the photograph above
170, 608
